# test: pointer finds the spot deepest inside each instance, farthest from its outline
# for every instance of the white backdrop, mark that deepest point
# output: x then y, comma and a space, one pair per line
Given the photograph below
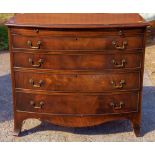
148, 16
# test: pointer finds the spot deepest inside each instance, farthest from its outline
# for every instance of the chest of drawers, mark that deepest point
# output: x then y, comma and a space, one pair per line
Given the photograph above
77, 70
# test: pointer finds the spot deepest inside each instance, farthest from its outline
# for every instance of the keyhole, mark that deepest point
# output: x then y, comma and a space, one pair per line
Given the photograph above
120, 33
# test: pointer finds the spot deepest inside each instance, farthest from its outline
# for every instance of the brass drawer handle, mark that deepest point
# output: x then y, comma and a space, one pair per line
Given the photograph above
124, 44
35, 106
121, 84
38, 64
29, 43
119, 65
36, 30
149, 29
117, 106
36, 85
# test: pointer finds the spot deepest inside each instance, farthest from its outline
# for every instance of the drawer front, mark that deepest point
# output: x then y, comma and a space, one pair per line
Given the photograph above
77, 43
72, 32
78, 62
82, 104
78, 82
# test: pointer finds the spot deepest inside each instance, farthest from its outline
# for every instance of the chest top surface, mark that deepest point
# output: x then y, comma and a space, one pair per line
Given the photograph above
77, 20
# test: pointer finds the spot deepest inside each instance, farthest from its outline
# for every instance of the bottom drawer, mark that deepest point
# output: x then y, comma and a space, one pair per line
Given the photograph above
77, 104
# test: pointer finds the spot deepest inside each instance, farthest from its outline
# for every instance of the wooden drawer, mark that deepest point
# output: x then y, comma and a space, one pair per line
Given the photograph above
82, 104
78, 61
73, 32
83, 82
76, 43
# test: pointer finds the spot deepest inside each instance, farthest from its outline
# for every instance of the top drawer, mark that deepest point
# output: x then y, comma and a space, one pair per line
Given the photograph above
81, 32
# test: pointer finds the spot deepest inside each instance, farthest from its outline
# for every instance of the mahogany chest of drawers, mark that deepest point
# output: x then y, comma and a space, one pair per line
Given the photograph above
77, 70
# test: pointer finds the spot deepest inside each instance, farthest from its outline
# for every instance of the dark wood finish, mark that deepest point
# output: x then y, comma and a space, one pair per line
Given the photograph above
70, 105
77, 20
77, 70
123, 32
94, 62
78, 82
73, 120
76, 43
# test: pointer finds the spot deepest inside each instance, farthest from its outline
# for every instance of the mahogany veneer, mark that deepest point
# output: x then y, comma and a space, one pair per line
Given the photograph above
77, 70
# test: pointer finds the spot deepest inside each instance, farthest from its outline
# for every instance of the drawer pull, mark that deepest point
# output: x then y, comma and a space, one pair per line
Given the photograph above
124, 44
29, 43
117, 106
36, 85
38, 64
122, 82
35, 106
119, 65
36, 30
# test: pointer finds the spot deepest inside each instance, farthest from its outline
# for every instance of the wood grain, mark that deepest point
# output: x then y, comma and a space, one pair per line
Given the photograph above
77, 20
78, 104
94, 62
78, 82
77, 70
77, 43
